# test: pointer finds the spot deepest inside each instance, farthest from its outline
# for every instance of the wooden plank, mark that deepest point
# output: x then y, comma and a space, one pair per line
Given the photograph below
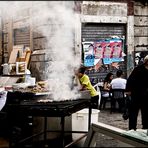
27, 57
14, 54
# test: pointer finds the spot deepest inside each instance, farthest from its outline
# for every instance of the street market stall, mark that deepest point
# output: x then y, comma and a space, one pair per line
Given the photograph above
21, 105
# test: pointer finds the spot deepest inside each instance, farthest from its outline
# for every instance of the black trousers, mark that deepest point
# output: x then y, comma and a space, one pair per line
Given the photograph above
138, 103
94, 102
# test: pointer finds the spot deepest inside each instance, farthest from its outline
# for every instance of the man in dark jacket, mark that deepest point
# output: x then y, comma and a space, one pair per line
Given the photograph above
137, 87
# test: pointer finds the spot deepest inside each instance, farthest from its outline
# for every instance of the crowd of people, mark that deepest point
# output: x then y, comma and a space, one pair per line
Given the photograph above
135, 86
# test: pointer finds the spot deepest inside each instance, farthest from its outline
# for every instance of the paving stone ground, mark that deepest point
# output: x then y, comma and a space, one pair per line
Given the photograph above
114, 119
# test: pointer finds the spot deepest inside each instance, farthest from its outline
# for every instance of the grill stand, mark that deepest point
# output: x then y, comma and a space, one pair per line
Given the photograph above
75, 107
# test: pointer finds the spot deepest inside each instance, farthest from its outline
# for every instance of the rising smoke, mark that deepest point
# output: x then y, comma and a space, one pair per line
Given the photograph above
56, 21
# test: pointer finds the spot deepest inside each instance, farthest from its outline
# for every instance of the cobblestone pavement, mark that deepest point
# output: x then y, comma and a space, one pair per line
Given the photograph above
115, 119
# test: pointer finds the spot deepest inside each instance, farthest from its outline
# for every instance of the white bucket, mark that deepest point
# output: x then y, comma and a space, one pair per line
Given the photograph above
80, 123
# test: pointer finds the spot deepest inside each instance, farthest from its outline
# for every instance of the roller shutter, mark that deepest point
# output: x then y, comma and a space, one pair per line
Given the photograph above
94, 31
22, 36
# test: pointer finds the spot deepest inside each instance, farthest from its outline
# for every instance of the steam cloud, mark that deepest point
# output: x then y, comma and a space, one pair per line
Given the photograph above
56, 21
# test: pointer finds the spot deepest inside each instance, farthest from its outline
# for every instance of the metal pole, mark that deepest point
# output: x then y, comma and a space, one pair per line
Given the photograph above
89, 117
62, 130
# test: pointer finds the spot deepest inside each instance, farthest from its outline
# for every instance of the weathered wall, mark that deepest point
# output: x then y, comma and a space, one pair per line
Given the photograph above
133, 14
0, 42
141, 26
5, 41
117, 12
104, 12
107, 13
34, 38
39, 60
19, 20
137, 32
104, 8
42, 59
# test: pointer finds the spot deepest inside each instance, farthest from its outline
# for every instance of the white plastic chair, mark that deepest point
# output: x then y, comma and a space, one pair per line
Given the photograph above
96, 86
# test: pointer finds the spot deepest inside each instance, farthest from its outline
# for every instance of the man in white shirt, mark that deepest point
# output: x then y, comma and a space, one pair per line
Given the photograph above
119, 82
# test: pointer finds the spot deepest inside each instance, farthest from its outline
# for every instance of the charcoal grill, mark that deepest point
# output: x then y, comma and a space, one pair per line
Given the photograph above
27, 104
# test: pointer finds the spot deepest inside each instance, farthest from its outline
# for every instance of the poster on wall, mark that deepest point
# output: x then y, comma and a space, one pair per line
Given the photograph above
109, 51
99, 49
116, 52
89, 58
116, 46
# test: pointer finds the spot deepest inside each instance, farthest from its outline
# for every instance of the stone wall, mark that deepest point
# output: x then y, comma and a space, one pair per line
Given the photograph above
40, 63
29, 16
141, 26
134, 14
104, 8
88, 11
0, 42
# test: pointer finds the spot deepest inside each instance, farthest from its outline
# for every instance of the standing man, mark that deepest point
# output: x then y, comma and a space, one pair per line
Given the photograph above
86, 85
137, 87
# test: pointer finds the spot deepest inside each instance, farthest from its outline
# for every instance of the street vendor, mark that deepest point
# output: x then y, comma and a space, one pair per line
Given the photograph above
86, 85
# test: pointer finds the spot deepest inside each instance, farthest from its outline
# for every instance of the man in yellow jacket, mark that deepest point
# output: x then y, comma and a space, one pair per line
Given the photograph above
86, 85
